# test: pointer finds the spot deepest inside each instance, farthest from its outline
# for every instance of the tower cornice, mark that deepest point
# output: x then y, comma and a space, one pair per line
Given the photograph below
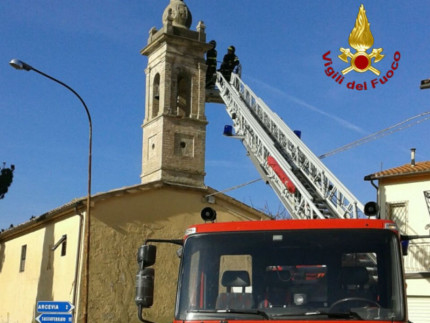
161, 38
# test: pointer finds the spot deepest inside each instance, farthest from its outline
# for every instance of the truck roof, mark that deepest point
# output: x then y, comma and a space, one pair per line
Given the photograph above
291, 225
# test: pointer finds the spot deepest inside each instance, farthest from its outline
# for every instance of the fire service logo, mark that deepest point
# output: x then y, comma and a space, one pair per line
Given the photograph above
360, 39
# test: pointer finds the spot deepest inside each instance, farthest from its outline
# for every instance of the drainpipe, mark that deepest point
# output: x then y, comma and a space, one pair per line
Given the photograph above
372, 181
78, 259
377, 194
373, 184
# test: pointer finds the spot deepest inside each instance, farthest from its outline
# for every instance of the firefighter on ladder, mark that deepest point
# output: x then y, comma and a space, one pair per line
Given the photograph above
230, 63
211, 56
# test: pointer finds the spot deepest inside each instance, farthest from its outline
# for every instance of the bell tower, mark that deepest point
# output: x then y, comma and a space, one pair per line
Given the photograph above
174, 127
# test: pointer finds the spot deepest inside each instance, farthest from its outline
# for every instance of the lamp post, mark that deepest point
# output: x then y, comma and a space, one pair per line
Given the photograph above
19, 65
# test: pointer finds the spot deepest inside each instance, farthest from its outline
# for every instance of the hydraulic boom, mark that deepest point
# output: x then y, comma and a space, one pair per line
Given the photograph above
302, 182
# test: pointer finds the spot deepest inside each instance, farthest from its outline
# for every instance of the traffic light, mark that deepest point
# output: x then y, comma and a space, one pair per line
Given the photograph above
425, 84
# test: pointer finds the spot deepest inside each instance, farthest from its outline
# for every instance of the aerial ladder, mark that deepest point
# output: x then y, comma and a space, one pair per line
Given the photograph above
304, 185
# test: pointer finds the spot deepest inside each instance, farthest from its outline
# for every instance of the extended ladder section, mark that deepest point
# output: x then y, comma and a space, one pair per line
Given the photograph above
302, 182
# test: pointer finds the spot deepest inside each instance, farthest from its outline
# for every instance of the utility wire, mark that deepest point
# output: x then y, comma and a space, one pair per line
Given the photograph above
234, 187
384, 132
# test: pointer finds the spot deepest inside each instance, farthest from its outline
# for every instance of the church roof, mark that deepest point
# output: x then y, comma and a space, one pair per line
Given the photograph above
419, 168
79, 203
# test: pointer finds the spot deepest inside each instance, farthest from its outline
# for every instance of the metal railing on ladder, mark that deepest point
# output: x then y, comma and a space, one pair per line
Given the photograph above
304, 185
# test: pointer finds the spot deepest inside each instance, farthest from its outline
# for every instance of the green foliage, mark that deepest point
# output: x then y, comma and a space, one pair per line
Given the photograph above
6, 178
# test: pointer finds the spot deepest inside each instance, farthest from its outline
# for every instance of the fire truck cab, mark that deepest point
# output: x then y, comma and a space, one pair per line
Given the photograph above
285, 270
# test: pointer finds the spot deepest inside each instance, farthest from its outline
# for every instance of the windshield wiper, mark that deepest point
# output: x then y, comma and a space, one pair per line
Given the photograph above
234, 311
349, 314
250, 311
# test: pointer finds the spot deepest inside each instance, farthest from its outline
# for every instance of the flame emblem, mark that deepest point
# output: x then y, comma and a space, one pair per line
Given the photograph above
361, 39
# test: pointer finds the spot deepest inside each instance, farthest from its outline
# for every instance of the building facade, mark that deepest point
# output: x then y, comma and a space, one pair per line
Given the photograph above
32, 270
404, 196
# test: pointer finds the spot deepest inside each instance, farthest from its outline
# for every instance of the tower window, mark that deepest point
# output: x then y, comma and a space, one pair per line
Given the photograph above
156, 96
183, 97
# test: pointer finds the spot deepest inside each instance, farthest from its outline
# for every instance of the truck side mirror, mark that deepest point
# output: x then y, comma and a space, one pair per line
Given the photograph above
145, 288
146, 255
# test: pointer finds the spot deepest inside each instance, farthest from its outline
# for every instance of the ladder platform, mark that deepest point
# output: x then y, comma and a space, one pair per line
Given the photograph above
213, 96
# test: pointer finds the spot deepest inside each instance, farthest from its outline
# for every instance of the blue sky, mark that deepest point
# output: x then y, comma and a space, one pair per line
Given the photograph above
93, 46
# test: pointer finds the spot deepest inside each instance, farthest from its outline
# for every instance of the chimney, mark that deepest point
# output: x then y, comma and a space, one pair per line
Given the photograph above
413, 157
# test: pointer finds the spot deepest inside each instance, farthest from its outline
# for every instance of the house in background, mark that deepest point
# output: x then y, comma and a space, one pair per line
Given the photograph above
404, 196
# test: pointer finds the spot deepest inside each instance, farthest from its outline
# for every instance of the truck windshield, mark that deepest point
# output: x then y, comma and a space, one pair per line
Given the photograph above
348, 274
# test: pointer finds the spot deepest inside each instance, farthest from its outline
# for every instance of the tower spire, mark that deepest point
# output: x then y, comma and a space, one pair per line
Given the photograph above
179, 13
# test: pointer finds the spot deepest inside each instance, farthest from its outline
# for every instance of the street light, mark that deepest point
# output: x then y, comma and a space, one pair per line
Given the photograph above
20, 65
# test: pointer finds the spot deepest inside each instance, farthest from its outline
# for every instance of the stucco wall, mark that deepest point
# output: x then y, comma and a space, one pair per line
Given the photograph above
47, 275
120, 225
393, 191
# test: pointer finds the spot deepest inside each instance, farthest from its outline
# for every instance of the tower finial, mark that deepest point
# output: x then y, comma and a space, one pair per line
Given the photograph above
179, 12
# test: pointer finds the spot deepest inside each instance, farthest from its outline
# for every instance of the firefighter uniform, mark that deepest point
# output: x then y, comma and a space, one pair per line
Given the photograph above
229, 63
211, 56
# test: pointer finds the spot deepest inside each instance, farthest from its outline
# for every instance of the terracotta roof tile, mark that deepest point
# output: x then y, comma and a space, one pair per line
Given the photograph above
407, 169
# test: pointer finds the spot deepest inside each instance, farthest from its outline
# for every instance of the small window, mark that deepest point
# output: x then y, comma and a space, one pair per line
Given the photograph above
63, 243
64, 248
398, 212
23, 257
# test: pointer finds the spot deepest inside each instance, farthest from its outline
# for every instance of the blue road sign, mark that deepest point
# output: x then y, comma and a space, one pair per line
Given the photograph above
54, 307
55, 317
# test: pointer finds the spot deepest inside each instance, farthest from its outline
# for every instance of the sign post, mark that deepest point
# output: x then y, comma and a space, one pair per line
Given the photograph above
52, 311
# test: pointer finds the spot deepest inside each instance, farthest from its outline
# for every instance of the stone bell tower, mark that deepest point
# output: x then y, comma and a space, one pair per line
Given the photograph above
174, 128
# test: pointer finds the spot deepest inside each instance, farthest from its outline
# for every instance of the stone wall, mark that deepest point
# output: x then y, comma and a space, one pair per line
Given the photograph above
121, 224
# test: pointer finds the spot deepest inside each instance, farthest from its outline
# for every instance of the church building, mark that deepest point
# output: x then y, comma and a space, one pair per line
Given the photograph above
46, 259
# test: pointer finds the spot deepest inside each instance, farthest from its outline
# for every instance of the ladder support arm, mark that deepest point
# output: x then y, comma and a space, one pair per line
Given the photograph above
305, 186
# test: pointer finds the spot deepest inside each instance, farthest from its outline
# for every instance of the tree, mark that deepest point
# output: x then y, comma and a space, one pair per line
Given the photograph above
6, 177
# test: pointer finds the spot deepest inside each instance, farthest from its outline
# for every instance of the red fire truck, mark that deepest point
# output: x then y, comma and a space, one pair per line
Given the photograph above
329, 263
285, 270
